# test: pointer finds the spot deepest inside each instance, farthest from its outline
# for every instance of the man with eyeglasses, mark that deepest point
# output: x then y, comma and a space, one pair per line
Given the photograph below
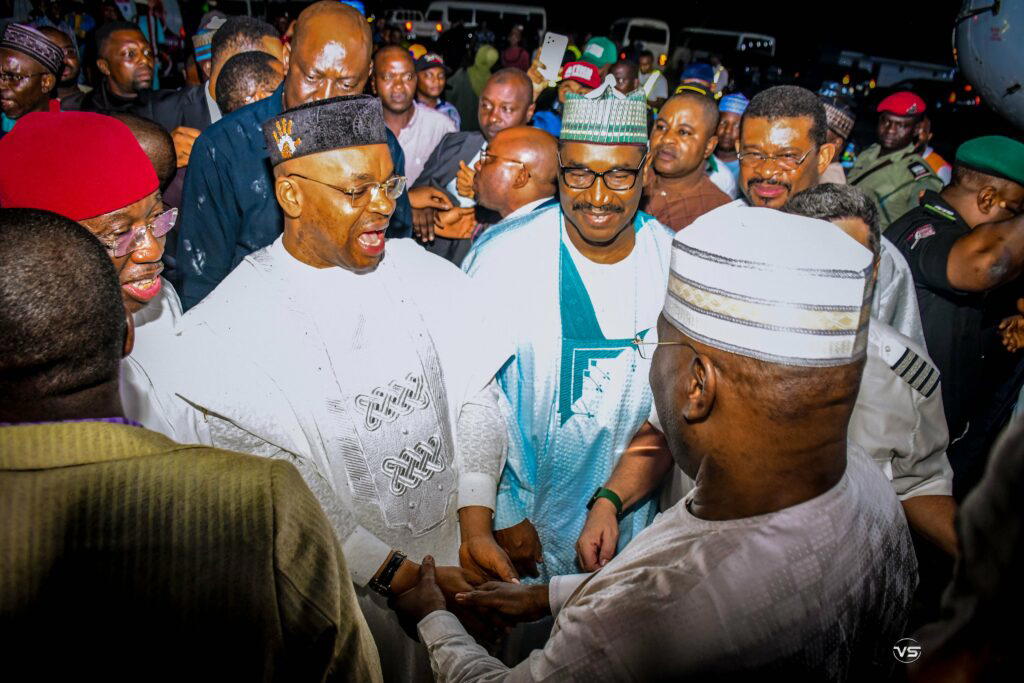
578, 281
228, 205
90, 168
792, 554
29, 65
368, 363
963, 243
783, 150
518, 173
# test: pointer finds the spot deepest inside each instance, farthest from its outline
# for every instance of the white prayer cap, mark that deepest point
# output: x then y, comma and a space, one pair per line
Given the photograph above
773, 286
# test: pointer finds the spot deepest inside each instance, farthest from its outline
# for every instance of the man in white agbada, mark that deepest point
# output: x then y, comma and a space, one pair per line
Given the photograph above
372, 372
898, 418
578, 281
791, 558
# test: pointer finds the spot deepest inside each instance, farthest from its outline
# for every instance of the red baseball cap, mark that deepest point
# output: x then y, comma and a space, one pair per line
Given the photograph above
582, 72
903, 103
77, 164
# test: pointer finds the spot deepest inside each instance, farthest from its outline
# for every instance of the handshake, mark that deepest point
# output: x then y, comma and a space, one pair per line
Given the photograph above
485, 606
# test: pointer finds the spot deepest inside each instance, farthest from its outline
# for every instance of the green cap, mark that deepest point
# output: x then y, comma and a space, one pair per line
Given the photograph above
600, 52
995, 155
605, 116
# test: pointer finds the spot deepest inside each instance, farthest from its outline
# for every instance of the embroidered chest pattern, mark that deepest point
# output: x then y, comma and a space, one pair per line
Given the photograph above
397, 399
413, 466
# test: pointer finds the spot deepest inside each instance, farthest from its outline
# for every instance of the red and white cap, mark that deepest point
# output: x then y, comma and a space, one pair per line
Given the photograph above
582, 72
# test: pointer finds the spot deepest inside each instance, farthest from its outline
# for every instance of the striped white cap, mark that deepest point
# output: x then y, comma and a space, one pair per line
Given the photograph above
773, 286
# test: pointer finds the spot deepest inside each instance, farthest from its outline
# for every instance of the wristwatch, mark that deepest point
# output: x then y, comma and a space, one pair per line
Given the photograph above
607, 494
382, 582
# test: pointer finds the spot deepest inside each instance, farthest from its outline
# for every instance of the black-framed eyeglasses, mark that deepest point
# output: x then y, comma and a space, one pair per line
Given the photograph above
647, 349
11, 78
615, 179
133, 239
788, 162
392, 188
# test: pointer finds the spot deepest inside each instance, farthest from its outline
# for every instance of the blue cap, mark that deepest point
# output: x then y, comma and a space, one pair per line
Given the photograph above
735, 103
703, 72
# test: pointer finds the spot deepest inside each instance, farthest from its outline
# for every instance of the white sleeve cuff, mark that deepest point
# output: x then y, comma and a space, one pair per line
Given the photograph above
939, 486
477, 488
561, 588
437, 625
364, 554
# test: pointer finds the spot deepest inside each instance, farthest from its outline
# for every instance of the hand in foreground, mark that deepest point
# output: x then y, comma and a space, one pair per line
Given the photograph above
482, 624
599, 538
183, 137
513, 601
427, 197
420, 600
483, 559
456, 224
1012, 330
464, 180
522, 545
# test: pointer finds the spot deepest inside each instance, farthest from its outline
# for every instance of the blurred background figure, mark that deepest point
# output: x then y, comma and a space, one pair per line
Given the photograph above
246, 78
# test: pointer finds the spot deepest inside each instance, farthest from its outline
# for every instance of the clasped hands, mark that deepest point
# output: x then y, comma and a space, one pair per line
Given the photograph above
484, 593
433, 213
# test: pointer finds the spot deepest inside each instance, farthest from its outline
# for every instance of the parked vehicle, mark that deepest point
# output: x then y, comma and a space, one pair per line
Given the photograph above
413, 24
636, 33
474, 14
698, 44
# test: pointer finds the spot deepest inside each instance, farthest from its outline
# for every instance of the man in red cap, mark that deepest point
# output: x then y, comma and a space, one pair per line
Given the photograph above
891, 171
90, 168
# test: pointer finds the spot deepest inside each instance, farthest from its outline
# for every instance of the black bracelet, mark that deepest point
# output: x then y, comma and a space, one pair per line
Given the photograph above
382, 583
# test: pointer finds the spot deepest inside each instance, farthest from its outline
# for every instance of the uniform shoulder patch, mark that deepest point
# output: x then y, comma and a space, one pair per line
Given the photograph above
921, 375
919, 169
940, 211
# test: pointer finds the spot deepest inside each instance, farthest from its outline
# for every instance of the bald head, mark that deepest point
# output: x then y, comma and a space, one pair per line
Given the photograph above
156, 143
520, 167
627, 76
329, 55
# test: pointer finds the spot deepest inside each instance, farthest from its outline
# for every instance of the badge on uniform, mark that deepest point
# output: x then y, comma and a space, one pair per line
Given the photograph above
921, 233
917, 372
919, 170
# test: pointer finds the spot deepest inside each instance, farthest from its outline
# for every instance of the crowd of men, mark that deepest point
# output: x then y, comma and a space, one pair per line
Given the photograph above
305, 375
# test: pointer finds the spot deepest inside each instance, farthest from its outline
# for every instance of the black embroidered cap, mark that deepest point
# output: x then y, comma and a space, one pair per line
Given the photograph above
349, 121
28, 41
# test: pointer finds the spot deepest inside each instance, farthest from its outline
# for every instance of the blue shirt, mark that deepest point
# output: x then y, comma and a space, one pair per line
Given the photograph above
228, 205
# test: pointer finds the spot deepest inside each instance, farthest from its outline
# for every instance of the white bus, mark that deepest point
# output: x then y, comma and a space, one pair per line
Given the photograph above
473, 14
652, 34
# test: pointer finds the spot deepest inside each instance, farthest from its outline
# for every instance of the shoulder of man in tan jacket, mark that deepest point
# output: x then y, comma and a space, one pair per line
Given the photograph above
130, 554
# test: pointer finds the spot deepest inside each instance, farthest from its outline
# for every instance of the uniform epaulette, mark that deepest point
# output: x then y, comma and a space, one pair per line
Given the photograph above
917, 372
941, 211
919, 169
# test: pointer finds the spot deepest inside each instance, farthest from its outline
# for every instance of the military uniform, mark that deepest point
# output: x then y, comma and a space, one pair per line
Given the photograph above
894, 181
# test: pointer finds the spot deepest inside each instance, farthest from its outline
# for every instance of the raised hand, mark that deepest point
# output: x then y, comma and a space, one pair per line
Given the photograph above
458, 223
464, 180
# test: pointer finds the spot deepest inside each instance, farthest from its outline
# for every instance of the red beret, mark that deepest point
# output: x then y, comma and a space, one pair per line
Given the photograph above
77, 164
904, 103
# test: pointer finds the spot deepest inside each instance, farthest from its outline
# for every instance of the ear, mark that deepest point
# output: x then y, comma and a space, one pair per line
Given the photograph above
48, 82
709, 148
129, 335
988, 199
530, 110
825, 154
521, 179
700, 387
286, 56
206, 66
289, 196
102, 65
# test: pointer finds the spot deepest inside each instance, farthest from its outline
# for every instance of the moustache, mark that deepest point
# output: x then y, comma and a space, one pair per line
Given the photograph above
607, 208
772, 181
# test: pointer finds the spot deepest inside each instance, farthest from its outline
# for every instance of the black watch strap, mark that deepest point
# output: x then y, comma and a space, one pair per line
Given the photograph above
382, 582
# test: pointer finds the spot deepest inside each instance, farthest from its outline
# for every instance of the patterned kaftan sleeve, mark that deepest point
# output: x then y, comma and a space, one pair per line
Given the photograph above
481, 447
363, 551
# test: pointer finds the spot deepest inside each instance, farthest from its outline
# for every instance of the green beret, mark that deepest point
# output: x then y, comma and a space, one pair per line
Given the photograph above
995, 155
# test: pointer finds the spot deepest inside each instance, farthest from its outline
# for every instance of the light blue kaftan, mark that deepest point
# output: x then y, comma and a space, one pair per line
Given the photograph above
578, 396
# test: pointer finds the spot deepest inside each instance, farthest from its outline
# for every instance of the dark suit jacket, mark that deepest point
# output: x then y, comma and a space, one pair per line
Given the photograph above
170, 108
440, 169
127, 556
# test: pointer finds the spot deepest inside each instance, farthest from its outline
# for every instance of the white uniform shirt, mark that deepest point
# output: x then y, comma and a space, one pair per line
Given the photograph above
818, 591
155, 323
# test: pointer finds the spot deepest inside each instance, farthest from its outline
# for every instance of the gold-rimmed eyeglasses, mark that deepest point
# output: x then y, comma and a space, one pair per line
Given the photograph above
392, 188
646, 349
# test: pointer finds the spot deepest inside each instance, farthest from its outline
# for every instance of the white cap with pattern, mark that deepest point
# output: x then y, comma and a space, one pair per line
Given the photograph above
773, 286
